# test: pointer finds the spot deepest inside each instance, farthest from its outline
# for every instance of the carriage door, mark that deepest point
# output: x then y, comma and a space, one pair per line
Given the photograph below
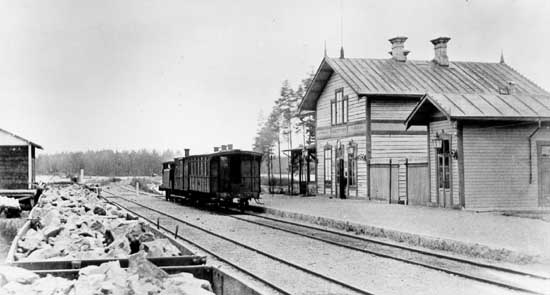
543, 152
235, 173
224, 180
444, 174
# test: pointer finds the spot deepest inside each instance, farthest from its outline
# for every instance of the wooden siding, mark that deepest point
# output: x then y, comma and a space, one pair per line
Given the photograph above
14, 167
199, 173
356, 106
389, 138
399, 146
361, 166
354, 130
496, 166
392, 109
450, 129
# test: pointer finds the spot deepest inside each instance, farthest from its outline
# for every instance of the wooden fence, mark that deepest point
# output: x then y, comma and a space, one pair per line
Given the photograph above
400, 181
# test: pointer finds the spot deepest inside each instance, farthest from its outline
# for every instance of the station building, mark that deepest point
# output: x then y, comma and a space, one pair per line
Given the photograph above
376, 120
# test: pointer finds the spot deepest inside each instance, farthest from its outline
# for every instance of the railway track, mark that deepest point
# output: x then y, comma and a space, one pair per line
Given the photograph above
472, 270
307, 280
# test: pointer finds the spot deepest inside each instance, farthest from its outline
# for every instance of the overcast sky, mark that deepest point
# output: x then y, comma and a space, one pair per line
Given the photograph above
93, 74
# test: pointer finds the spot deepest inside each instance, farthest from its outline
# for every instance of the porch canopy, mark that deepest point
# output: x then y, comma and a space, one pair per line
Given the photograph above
504, 107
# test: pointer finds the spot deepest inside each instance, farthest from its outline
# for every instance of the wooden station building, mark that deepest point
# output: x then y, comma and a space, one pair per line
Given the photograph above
488, 150
17, 164
365, 149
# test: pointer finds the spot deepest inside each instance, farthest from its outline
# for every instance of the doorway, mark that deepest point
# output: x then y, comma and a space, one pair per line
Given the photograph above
444, 193
543, 152
341, 178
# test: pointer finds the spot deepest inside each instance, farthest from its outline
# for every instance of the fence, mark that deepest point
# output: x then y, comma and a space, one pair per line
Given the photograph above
400, 181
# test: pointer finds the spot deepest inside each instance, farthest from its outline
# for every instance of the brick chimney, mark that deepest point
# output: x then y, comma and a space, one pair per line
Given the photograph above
229, 146
186, 152
224, 147
216, 149
398, 51
440, 48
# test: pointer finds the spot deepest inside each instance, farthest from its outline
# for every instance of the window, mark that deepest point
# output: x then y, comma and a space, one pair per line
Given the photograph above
328, 166
333, 114
339, 108
352, 166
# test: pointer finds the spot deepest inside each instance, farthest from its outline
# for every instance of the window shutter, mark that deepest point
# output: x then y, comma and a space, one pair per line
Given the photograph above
345, 111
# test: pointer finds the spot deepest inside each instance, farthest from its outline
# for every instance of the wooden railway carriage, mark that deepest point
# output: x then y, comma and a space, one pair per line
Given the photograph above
222, 177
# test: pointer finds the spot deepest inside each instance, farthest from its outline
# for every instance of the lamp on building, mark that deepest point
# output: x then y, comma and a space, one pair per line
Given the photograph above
351, 147
437, 142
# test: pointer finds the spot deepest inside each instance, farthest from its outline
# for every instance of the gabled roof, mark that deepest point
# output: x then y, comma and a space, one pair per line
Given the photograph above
416, 78
481, 107
21, 138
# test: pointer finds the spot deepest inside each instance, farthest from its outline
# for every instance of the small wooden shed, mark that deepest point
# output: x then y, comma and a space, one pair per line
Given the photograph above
487, 151
17, 164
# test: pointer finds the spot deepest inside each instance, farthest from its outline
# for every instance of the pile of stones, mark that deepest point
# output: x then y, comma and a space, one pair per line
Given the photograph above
71, 222
141, 277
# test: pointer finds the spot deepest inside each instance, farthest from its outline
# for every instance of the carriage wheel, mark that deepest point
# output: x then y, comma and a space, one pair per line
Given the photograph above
243, 205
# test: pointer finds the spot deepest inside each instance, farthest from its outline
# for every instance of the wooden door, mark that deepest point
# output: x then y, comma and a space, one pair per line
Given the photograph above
341, 179
444, 175
543, 152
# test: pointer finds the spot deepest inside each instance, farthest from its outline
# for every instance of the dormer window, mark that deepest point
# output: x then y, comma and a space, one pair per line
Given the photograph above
339, 108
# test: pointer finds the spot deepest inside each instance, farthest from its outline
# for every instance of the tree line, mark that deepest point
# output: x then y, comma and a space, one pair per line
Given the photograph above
285, 127
105, 162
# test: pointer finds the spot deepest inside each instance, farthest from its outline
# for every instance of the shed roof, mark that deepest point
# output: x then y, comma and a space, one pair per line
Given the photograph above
416, 78
20, 138
482, 107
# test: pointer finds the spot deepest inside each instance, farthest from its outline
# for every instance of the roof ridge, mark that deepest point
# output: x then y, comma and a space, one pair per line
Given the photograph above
412, 60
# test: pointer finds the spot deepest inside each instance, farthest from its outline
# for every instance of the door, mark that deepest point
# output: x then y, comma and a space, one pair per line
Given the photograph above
444, 174
543, 152
341, 178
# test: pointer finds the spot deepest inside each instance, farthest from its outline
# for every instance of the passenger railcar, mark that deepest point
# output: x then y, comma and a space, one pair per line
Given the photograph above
223, 177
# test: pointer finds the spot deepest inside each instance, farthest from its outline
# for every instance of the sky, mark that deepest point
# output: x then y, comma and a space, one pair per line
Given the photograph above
132, 74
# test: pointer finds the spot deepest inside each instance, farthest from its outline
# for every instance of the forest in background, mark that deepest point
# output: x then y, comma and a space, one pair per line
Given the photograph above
284, 128
105, 162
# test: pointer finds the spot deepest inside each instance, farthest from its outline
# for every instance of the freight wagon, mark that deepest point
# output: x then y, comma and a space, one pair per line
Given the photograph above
224, 177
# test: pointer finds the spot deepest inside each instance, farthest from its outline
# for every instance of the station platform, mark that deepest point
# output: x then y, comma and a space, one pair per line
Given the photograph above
516, 238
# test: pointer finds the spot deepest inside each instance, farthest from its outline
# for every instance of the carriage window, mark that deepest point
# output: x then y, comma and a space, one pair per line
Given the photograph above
328, 167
